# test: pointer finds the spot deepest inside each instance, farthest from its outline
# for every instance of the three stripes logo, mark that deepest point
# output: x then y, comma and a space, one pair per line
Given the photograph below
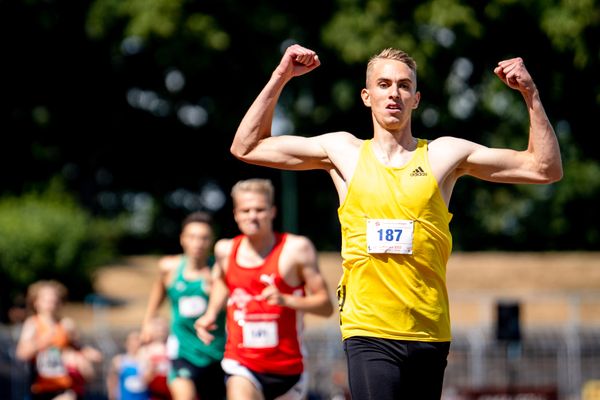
418, 172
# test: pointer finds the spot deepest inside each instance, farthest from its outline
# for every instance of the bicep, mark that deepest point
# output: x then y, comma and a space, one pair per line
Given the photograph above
289, 152
27, 332
309, 271
222, 249
167, 266
216, 272
26, 340
498, 165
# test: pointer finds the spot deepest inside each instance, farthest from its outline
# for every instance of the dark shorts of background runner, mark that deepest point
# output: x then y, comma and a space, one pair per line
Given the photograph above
48, 395
209, 381
274, 385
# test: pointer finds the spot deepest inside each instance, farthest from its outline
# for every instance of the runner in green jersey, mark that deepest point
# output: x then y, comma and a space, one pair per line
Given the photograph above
186, 281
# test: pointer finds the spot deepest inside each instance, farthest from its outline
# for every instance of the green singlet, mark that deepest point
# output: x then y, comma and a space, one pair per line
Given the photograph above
189, 300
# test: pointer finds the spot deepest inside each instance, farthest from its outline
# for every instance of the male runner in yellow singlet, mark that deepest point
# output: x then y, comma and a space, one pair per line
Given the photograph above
394, 192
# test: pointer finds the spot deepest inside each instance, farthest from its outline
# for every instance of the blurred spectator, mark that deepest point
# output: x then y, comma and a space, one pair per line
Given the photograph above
155, 360
17, 314
81, 361
125, 380
43, 341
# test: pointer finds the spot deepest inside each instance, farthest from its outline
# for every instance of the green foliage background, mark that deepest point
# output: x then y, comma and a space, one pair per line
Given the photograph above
47, 235
153, 91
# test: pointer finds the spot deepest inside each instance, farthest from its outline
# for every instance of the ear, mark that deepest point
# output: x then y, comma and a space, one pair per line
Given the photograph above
417, 100
366, 97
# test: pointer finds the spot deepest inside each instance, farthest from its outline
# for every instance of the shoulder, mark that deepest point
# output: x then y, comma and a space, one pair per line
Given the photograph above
223, 247
448, 156
451, 152
299, 247
222, 250
343, 135
298, 241
342, 149
340, 138
29, 325
449, 144
169, 263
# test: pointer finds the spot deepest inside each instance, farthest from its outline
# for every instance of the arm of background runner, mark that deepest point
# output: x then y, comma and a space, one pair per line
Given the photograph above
158, 293
317, 300
218, 293
27, 346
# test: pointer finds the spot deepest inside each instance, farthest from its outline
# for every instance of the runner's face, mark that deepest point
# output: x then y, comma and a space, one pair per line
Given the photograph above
253, 213
196, 239
47, 300
391, 93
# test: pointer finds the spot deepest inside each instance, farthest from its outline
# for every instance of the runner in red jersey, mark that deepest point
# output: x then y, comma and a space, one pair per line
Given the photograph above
268, 280
263, 337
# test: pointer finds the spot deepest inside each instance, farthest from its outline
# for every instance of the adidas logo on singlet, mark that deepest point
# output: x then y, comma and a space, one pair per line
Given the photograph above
418, 172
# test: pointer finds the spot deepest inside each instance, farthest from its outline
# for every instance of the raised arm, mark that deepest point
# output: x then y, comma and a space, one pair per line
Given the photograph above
253, 142
540, 162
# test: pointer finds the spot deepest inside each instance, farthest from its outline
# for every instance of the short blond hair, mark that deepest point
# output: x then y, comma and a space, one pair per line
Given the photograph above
392, 54
255, 185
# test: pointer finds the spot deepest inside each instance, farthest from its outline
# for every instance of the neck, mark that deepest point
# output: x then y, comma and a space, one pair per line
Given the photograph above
47, 316
194, 263
262, 244
395, 143
393, 151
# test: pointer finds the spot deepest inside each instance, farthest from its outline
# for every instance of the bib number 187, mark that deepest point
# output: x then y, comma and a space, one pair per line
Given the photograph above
390, 234
394, 236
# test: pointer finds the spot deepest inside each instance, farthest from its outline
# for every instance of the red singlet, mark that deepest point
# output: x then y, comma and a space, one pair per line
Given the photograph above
262, 337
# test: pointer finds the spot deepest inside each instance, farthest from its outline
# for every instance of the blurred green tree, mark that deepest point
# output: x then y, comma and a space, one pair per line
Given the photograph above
155, 90
47, 235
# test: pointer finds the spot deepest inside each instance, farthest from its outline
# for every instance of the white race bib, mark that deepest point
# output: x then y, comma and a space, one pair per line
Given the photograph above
135, 384
394, 236
192, 306
260, 335
172, 347
49, 363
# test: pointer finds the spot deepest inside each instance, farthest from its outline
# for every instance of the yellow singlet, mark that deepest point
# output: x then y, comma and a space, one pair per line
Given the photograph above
394, 280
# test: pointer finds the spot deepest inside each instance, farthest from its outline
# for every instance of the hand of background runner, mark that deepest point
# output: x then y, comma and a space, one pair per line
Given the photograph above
273, 296
204, 325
